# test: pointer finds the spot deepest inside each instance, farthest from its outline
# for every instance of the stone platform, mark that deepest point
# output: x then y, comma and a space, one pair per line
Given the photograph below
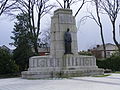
69, 65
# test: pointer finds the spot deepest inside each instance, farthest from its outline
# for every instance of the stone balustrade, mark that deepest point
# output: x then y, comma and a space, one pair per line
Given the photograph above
68, 62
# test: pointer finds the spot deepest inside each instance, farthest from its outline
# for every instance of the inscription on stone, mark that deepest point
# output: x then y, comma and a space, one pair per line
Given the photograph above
65, 18
76, 62
58, 62
43, 63
51, 63
86, 62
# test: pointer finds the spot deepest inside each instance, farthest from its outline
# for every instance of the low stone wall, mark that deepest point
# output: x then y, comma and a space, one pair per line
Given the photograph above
44, 63
68, 61
79, 62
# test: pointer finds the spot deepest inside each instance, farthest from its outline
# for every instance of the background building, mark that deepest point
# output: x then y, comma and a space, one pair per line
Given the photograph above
7, 49
98, 51
43, 49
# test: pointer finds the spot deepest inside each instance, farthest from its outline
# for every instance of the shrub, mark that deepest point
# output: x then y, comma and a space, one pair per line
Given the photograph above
85, 53
7, 65
112, 63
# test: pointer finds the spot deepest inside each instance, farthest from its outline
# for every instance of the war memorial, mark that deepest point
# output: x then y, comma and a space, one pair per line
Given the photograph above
63, 59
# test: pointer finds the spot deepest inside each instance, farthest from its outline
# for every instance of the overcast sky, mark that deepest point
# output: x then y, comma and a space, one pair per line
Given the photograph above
88, 32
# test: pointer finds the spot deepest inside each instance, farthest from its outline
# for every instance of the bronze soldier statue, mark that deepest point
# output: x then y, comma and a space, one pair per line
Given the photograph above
68, 41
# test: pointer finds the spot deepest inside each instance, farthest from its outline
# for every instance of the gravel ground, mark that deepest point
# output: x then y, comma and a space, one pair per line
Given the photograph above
111, 82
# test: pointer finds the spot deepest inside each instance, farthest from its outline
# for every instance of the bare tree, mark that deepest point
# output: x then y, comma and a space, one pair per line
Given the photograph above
83, 2
98, 21
36, 9
68, 3
6, 5
112, 8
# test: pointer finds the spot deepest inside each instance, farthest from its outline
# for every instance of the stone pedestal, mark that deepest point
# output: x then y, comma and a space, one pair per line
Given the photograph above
62, 20
57, 64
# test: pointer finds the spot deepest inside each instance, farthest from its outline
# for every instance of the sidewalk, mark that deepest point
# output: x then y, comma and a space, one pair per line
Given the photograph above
111, 82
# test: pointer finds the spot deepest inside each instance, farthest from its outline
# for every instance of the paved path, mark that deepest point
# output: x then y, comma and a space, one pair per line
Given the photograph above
79, 83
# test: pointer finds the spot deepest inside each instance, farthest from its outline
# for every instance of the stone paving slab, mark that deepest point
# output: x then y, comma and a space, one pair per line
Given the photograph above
79, 83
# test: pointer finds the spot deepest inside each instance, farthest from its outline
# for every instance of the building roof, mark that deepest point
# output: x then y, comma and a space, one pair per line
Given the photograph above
6, 48
109, 47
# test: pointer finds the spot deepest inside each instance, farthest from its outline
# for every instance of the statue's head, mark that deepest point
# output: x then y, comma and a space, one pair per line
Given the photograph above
68, 29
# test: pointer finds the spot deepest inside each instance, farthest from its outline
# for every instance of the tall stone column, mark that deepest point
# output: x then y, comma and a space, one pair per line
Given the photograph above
62, 20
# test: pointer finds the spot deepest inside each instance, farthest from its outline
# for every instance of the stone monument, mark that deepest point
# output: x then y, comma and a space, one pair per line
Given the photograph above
60, 62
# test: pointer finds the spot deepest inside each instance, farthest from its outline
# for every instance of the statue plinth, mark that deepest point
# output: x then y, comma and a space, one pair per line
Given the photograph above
58, 63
